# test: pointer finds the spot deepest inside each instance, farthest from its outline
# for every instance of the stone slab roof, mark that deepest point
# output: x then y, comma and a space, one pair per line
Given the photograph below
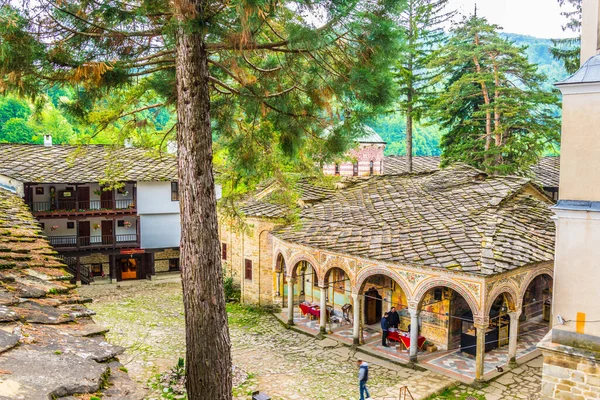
263, 201
397, 164
457, 218
545, 172
86, 163
49, 345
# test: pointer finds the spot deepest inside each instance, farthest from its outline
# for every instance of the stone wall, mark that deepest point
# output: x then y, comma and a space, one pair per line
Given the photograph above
363, 154
161, 259
253, 243
569, 373
97, 258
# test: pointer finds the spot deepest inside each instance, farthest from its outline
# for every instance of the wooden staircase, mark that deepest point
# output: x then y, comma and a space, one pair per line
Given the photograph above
85, 274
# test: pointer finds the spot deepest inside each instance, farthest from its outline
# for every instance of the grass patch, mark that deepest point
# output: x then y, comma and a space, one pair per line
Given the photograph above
244, 316
457, 393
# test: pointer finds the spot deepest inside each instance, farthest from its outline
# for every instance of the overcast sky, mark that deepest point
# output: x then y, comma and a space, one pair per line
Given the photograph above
539, 18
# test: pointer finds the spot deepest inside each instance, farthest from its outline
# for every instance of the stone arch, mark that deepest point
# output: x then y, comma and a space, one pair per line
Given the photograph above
431, 283
527, 281
293, 263
278, 253
368, 272
330, 265
514, 302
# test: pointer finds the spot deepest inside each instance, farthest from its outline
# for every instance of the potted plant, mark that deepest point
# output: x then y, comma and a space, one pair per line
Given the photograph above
53, 228
98, 192
127, 224
96, 226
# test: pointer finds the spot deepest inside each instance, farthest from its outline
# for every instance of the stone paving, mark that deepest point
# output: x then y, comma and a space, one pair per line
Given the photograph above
523, 382
283, 363
148, 320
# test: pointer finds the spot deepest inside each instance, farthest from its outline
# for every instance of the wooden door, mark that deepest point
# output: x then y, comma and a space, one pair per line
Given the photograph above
372, 307
83, 197
106, 200
83, 230
107, 232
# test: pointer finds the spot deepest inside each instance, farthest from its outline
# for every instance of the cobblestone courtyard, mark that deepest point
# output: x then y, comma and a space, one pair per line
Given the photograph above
147, 318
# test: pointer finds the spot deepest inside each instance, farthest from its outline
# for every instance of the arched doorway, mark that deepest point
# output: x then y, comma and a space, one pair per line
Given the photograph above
500, 320
446, 320
280, 278
537, 301
302, 287
339, 295
380, 294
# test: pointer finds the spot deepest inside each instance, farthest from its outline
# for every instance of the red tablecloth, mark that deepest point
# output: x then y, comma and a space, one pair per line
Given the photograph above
395, 336
310, 310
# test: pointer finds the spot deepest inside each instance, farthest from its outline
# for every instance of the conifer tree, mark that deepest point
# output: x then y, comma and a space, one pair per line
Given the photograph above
568, 50
264, 76
422, 27
495, 113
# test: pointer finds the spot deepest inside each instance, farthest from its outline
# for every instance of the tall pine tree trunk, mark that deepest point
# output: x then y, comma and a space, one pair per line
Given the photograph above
486, 100
409, 131
410, 89
208, 353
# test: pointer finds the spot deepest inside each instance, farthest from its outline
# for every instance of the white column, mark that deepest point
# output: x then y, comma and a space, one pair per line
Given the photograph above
513, 336
356, 318
323, 309
290, 301
480, 355
414, 334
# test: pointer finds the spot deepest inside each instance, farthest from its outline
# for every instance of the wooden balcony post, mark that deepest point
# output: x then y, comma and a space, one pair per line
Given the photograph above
76, 199
134, 195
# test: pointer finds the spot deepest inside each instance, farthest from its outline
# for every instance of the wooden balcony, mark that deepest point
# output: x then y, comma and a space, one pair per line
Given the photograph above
74, 242
64, 208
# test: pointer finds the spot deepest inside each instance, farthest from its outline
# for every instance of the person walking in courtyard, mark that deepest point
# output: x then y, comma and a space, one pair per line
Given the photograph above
393, 318
385, 326
363, 377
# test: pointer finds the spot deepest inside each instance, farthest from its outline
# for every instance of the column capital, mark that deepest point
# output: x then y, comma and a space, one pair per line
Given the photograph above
515, 314
323, 287
354, 296
480, 325
291, 279
413, 305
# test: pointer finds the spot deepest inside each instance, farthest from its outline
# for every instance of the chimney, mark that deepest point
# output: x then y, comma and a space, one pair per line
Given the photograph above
172, 147
47, 140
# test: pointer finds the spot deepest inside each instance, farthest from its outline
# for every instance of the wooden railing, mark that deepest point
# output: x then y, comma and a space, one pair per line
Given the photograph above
85, 273
73, 241
81, 206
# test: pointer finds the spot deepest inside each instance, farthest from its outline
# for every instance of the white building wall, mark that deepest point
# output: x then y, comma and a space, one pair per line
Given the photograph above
159, 215
155, 198
160, 230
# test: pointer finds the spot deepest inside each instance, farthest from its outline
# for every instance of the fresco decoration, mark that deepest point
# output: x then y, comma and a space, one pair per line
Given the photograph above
412, 278
519, 278
474, 288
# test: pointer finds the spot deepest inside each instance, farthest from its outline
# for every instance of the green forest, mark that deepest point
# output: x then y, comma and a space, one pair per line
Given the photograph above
26, 122
426, 141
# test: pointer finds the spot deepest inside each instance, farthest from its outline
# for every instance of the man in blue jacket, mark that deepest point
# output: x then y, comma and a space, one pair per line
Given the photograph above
363, 377
384, 329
